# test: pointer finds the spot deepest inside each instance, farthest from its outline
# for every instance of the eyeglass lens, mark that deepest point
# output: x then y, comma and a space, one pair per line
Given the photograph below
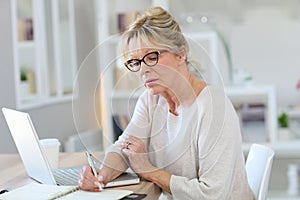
150, 59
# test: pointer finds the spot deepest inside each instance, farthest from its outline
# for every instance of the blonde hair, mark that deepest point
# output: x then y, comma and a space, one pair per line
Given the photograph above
157, 29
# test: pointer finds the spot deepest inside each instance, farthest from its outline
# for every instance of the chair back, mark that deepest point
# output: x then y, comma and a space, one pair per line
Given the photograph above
258, 168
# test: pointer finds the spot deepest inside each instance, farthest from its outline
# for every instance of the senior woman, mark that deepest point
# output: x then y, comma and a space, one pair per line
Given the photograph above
184, 134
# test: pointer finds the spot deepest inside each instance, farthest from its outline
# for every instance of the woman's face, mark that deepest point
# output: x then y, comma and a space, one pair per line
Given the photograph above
166, 74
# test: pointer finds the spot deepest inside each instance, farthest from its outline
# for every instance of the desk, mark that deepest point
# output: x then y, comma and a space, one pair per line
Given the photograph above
13, 174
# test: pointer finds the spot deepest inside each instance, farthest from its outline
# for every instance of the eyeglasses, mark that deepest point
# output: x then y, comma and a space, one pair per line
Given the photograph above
150, 59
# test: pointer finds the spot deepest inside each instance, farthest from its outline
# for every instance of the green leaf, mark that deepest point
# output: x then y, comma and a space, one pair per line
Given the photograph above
283, 120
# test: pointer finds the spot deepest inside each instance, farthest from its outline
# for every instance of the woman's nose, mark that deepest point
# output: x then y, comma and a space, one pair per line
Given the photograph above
144, 68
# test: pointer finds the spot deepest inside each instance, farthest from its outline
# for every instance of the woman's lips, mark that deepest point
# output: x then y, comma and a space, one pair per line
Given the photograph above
150, 82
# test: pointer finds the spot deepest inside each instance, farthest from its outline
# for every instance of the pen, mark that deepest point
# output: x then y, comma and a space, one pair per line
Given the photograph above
92, 165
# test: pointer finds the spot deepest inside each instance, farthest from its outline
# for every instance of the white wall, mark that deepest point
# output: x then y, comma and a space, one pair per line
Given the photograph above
263, 35
53, 120
267, 45
7, 95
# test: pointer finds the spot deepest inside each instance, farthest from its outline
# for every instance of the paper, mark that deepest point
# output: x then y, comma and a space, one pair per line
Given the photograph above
35, 191
105, 194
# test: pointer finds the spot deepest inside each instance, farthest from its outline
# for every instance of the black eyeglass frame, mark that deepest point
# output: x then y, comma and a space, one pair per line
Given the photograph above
157, 53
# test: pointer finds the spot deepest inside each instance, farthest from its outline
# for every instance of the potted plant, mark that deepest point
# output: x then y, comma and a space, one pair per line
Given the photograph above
283, 120
24, 85
283, 131
23, 75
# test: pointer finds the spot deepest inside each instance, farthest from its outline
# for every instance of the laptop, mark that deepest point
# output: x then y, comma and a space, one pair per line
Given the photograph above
35, 160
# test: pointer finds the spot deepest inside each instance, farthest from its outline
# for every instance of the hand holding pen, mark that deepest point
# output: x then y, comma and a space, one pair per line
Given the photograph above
92, 165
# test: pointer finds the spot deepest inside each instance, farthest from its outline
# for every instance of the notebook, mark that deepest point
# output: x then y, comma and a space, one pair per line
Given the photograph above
35, 161
35, 191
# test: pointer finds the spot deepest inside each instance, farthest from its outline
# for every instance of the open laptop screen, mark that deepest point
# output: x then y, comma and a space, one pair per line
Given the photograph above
27, 142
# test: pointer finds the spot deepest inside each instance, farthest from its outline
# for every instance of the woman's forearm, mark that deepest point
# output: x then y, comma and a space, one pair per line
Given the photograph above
160, 177
114, 165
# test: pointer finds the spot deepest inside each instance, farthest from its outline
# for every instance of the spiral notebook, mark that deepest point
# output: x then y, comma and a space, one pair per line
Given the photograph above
36, 191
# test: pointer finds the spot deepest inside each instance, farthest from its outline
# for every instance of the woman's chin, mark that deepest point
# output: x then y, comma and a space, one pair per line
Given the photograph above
154, 90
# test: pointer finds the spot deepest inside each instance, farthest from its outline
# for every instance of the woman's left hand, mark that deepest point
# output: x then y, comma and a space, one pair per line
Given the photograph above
135, 150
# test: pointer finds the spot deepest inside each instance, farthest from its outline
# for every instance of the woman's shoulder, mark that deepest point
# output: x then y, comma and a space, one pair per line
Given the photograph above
213, 98
212, 92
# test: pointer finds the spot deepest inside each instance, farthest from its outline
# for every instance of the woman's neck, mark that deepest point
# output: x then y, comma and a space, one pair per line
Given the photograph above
185, 94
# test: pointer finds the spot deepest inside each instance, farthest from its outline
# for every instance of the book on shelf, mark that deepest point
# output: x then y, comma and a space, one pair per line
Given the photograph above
25, 29
125, 19
50, 192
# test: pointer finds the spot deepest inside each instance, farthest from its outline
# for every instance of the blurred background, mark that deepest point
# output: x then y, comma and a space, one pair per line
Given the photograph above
59, 62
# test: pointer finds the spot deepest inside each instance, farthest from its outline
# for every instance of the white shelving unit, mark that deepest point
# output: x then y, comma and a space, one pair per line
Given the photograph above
45, 50
288, 143
281, 195
266, 96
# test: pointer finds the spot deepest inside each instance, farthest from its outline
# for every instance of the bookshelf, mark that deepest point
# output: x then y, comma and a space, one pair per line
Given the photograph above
256, 107
44, 51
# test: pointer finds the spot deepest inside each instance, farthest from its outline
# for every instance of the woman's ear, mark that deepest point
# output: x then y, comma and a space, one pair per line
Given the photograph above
183, 56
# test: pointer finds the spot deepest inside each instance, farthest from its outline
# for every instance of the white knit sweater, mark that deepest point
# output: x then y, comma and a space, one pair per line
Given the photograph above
201, 147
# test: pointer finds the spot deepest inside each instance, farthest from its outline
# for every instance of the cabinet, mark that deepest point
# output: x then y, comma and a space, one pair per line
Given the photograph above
257, 110
44, 51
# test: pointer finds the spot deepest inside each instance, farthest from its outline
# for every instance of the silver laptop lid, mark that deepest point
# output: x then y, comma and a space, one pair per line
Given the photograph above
28, 145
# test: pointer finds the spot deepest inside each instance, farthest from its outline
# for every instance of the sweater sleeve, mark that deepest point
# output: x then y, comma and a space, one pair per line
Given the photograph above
138, 124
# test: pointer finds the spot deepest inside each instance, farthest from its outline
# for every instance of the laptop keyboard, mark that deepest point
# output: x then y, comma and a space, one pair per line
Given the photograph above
67, 176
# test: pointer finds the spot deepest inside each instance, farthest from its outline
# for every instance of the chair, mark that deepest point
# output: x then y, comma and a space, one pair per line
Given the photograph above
258, 168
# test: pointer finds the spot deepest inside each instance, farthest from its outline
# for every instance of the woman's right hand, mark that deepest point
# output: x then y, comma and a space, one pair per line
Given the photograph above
87, 180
